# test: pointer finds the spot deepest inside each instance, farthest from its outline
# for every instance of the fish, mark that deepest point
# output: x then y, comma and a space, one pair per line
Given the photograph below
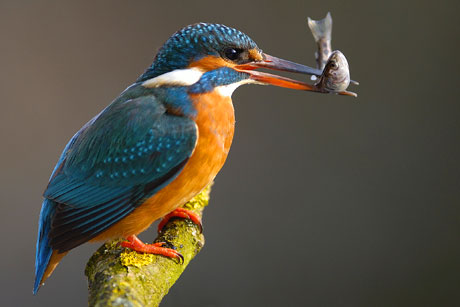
335, 77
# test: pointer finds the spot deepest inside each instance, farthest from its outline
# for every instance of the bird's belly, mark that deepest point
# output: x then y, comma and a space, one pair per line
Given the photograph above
216, 122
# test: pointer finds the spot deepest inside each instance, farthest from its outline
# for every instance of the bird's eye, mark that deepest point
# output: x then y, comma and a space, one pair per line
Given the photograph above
232, 53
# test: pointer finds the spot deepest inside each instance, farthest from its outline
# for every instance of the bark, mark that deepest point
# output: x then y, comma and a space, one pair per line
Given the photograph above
120, 277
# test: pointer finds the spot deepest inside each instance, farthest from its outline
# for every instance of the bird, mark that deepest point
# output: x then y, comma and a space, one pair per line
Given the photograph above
155, 146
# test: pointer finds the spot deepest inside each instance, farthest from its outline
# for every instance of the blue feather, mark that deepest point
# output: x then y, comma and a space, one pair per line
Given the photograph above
44, 250
216, 77
126, 154
178, 51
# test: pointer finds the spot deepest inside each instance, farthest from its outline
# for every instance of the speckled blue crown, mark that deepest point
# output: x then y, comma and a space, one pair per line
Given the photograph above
193, 42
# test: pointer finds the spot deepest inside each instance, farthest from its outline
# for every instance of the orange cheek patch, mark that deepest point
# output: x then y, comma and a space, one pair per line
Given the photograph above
255, 55
210, 63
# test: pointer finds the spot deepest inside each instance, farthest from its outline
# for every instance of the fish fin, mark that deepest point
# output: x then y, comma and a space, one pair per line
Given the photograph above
347, 93
321, 29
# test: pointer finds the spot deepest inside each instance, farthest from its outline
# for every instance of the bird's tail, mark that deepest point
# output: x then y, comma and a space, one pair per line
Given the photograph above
46, 259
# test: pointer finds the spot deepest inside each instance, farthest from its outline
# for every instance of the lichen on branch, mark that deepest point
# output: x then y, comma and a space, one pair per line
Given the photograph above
120, 277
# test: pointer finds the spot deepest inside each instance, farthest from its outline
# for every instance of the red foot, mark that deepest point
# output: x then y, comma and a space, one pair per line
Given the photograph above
183, 213
137, 245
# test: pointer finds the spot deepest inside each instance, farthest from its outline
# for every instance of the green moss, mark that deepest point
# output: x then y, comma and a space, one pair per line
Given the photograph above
121, 277
131, 258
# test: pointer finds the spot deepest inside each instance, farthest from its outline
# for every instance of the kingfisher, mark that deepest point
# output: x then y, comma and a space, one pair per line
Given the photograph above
156, 146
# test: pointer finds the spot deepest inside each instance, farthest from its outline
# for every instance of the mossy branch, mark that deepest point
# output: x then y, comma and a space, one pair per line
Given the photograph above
120, 277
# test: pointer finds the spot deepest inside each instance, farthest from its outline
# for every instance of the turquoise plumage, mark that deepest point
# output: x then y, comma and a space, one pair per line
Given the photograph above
125, 154
154, 147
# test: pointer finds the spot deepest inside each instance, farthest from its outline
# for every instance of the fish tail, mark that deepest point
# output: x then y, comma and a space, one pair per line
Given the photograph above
321, 29
46, 259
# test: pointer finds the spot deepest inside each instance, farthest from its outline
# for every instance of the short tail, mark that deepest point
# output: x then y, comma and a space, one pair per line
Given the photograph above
45, 258
321, 29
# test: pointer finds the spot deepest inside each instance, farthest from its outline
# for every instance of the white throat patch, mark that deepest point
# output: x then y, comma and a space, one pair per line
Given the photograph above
178, 77
189, 76
227, 90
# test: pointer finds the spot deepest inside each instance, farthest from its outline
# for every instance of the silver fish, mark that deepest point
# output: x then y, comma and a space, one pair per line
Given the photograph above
335, 77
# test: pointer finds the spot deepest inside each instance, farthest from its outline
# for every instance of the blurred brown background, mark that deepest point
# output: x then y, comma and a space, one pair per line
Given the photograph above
324, 200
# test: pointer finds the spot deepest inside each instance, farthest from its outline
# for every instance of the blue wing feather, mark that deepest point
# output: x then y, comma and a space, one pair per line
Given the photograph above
43, 249
126, 154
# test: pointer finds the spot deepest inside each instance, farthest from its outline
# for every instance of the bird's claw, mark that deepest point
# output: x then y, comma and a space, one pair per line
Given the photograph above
182, 213
157, 248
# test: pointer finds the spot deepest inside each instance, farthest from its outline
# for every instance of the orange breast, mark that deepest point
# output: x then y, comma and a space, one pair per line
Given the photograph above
216, 122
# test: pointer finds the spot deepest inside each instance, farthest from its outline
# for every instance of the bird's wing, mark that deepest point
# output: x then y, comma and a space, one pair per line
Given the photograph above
125, 155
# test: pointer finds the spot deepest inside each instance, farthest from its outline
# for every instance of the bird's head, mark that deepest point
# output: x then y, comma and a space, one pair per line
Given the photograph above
204, 56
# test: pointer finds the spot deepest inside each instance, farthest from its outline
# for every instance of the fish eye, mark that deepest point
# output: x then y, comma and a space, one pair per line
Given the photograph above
333, 65
232, 53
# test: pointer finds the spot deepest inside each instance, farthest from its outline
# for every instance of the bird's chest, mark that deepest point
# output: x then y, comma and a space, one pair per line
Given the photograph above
216, 123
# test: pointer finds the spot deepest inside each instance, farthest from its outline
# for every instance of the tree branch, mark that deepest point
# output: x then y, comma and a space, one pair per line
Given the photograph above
120, 277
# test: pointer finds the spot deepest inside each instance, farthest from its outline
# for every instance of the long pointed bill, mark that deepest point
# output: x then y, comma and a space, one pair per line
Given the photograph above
271, 62
275, 63
280, 81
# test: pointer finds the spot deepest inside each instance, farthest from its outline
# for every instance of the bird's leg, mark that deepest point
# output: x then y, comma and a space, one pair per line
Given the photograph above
182, 213
137, 245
